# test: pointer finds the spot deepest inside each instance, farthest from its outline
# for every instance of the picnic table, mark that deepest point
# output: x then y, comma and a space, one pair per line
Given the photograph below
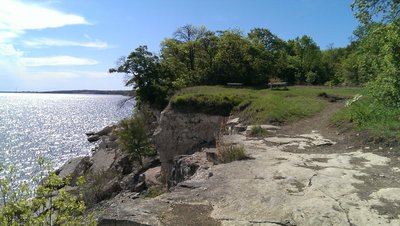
234, 84
277, 85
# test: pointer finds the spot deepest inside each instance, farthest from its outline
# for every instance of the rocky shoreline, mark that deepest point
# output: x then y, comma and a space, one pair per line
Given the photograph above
180, 140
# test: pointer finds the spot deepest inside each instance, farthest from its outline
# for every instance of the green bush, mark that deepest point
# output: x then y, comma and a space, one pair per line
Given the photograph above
134, 137
379, 121
45, 205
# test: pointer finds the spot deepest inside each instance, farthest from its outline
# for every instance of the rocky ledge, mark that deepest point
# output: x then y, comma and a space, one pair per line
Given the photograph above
284, 182
109, 171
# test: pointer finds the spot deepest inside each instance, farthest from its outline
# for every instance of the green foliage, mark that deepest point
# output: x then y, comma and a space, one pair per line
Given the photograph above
379, 49
150, 81
48, 204
197, 56
383, 10
380, 122
134, 137
258, 131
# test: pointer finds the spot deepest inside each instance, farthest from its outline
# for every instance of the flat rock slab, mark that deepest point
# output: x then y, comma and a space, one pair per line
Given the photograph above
285, 140
275, 187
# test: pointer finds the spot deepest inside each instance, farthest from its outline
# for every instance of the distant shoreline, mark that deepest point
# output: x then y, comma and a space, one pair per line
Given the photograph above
100, 92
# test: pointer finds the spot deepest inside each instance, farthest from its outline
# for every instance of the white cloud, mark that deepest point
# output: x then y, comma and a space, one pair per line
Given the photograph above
17, 16
42, 42
5, 35
9, 50
56, 61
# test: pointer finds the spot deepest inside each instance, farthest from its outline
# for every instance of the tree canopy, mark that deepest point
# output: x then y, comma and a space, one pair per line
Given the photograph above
197, 56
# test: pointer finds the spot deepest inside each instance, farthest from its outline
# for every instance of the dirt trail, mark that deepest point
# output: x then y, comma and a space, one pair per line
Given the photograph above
306, 174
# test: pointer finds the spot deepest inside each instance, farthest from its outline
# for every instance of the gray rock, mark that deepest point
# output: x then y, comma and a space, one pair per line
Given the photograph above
181, 134
184, 167
74, 168
152, 176
233, 121
91, 133
107, 130
211, 155
93, 138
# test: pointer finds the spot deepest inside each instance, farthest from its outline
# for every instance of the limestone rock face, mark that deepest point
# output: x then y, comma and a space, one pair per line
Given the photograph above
183, 134
74, 168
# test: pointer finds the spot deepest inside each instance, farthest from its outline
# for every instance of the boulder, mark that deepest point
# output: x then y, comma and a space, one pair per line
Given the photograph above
93, 138
107, 130
109, 190
211, 155
91, 133
74, 168
185, 166
152, 176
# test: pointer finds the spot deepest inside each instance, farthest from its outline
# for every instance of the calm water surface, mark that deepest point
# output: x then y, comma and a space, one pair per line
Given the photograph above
52, 126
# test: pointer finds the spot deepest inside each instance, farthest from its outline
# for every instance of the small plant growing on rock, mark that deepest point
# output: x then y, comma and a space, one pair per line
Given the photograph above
154, 191
134, 138
230, 152
227, 152
258, 131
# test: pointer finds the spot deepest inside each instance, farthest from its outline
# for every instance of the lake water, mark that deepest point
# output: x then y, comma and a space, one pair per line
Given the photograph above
52, 126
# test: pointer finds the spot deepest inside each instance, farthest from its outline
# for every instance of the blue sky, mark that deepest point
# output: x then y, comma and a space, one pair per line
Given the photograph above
70, 44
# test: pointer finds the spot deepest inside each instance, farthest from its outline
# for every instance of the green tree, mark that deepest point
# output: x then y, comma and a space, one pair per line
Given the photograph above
305, 56
189, 35
134, 137
381, 48
274, 56
385, 11
150, 83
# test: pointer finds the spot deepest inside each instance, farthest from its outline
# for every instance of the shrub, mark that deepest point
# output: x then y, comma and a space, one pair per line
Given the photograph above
45, 205
229, 152
134, 138
258, 131
378, 120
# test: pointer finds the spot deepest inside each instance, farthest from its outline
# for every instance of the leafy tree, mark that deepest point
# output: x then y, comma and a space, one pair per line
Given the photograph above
385, 11
150, 83
274, 56
381, 47
271, 42
189, 35
305, 56
134, 137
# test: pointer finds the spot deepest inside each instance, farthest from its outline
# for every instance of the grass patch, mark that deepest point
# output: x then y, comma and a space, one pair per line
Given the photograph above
228, 153
381, 124
258, 131
257, 106
208, 103
154, 191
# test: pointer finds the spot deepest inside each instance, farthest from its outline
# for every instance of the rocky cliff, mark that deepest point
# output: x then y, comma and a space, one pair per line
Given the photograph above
183, 134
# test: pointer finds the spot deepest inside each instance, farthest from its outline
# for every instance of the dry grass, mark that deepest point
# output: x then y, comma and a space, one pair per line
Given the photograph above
227, 152
258, 131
